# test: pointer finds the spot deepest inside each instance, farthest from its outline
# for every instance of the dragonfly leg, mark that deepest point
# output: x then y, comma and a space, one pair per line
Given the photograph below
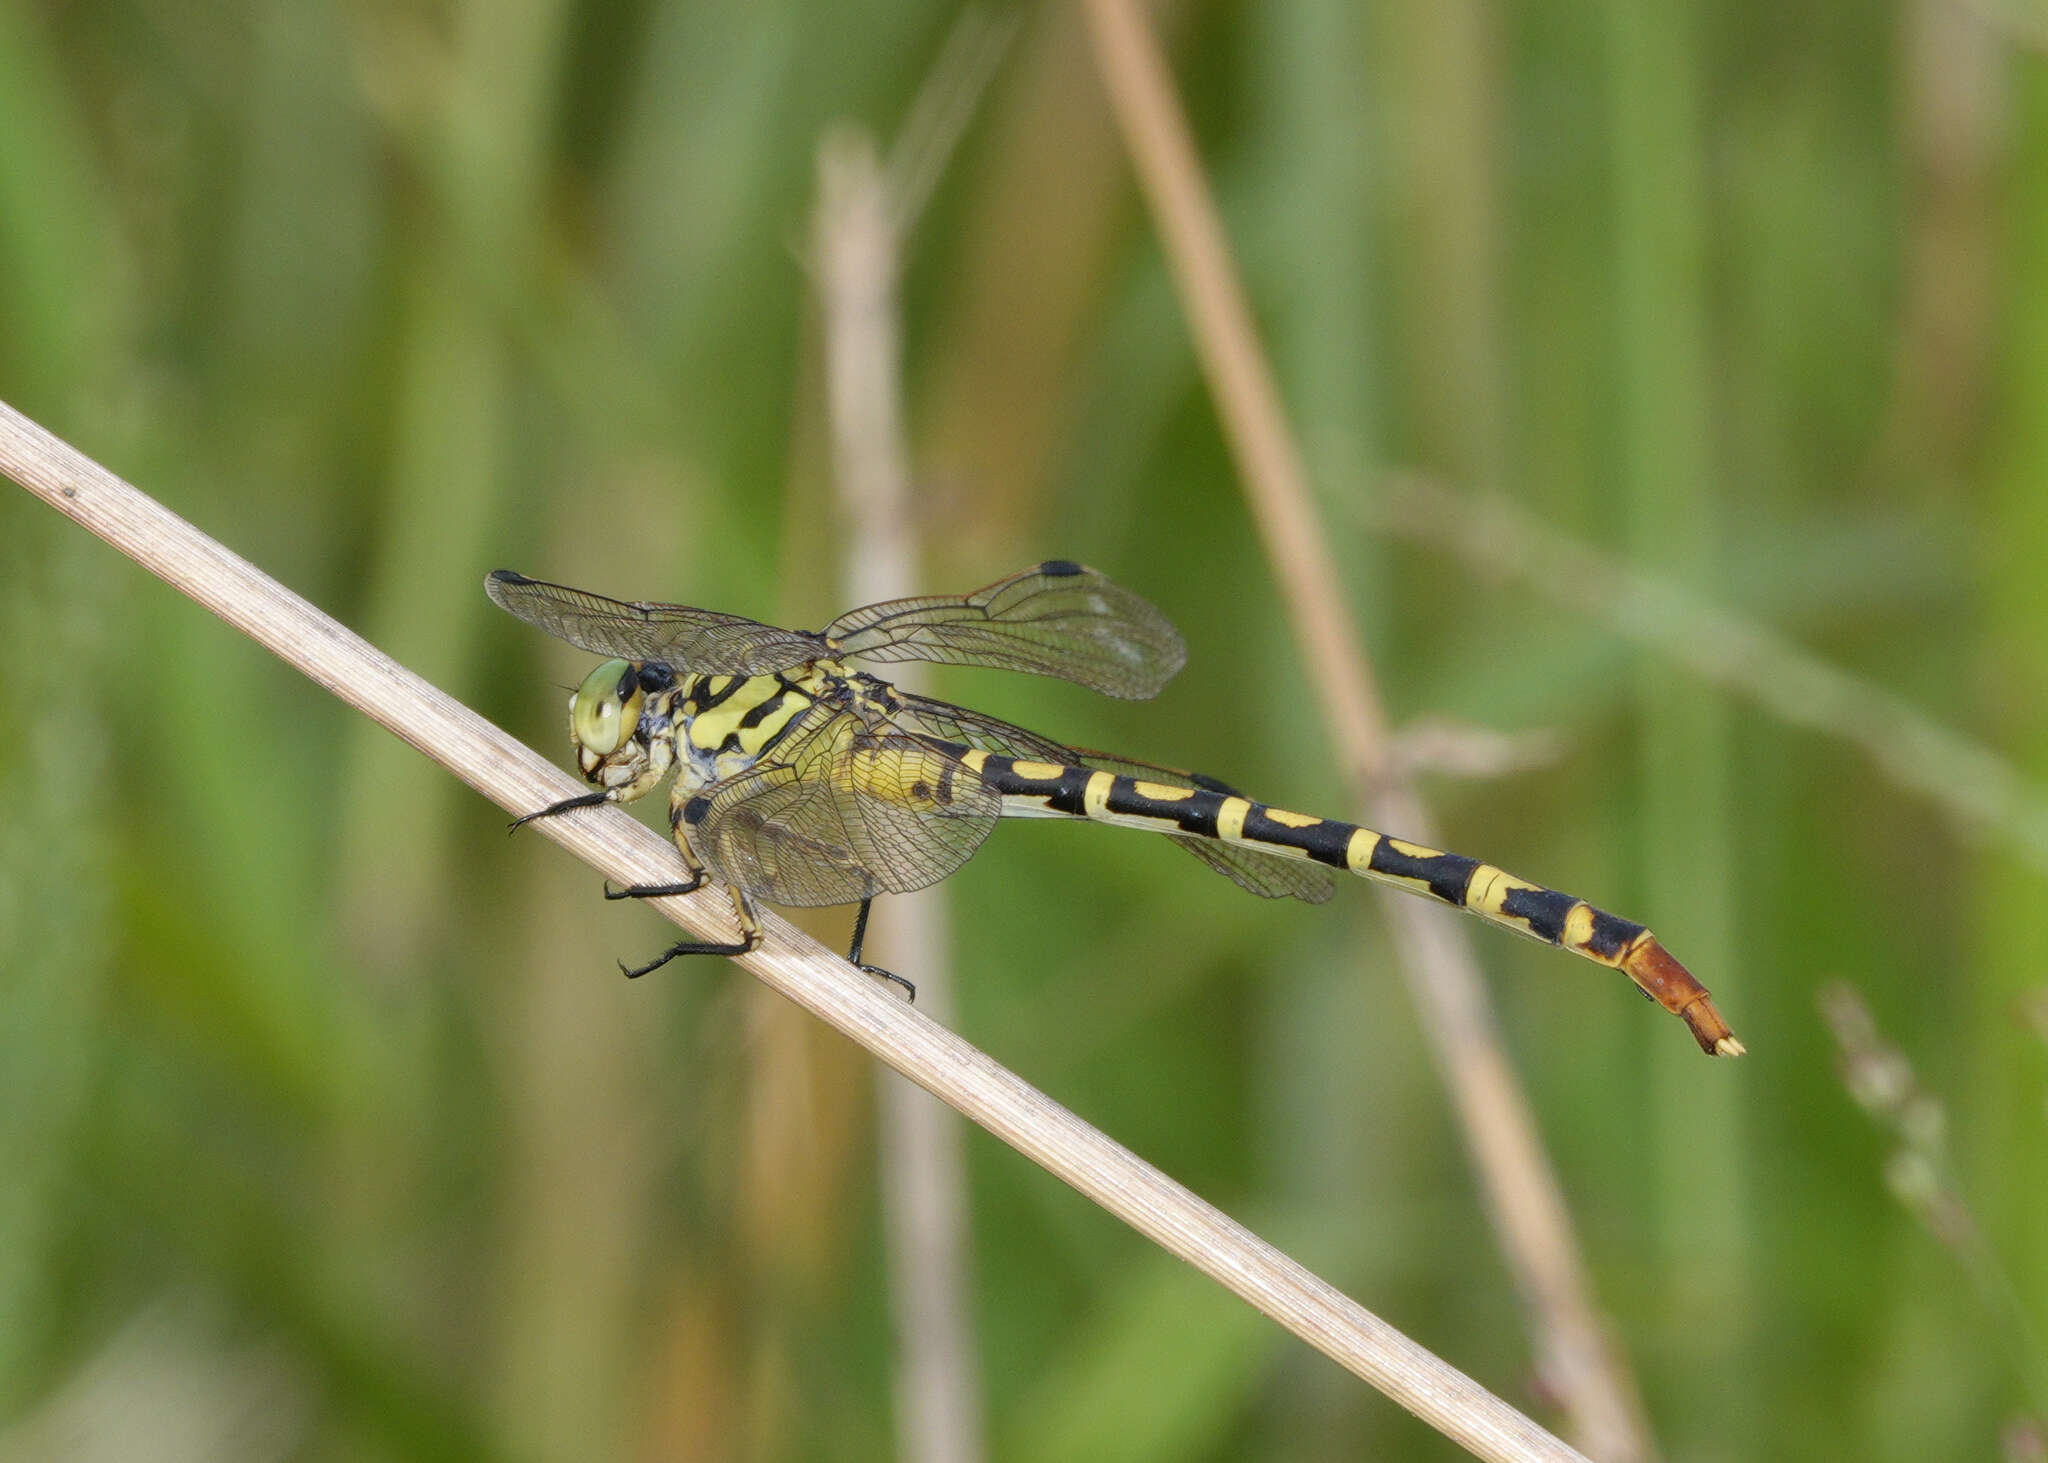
655, 891
662, 891
860, 935
750, 936
566, 805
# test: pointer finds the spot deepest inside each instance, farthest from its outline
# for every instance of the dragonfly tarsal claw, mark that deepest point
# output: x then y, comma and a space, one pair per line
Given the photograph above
909, 990
566, 805
687, 947
653, 891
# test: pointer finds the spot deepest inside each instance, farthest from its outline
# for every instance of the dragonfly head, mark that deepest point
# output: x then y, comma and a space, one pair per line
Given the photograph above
612, 721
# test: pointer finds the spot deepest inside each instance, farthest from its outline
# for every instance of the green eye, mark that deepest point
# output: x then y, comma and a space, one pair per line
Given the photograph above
601, 718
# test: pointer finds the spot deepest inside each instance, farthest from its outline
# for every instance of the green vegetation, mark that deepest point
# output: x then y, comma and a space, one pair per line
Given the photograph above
322, 1113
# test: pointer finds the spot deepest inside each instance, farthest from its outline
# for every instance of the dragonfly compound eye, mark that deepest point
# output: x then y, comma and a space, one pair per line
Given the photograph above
599, 718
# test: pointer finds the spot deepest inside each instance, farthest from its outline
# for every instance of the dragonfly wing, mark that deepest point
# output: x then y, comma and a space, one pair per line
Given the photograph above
958, 724
700, 642
1263, 874
1055, 619
847, 815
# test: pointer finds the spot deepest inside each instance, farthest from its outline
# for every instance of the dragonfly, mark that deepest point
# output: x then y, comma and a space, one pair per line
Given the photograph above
801, 781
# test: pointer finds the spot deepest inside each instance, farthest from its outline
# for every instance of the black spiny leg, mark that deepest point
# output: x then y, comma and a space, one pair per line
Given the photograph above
750, 930
566, 805
655, 891
860, 935
687, 947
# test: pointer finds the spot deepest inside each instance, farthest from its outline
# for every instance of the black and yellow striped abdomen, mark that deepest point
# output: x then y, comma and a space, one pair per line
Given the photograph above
1048, 789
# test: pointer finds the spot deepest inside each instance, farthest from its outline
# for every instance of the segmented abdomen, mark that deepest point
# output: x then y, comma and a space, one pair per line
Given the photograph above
1047, 789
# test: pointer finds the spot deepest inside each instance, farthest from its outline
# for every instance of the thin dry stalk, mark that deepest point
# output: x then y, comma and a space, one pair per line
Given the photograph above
1962, 777
945, 104
938, 1379
1587, 1374
1920, 1172
2012, 21
612, 842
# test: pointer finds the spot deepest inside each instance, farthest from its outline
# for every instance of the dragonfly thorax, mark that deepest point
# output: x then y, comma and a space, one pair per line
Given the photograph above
723, 725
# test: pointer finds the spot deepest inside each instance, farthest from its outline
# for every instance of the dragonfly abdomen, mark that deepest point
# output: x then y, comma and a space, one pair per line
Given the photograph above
1048, 789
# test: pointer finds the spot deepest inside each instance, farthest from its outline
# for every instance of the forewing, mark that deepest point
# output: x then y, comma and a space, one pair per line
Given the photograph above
1266, 875
1055, 619
850, 814
701, 642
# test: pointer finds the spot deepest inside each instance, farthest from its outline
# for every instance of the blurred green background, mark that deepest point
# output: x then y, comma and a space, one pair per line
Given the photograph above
326, 1129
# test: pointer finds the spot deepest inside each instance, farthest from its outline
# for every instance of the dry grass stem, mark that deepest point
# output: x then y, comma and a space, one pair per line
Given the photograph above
1447, 747
1523, 1198
945, 104
1920, 1173
1964, 778
924, 1184
519, 780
